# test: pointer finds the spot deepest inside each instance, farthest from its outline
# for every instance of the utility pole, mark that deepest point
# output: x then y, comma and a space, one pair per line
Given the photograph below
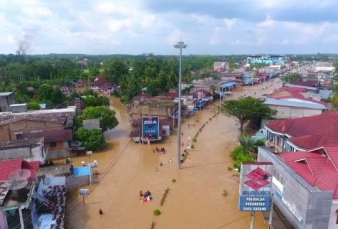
180, 45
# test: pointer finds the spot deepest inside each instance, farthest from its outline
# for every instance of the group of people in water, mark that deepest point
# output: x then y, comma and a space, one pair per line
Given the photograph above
159, 150
146, 196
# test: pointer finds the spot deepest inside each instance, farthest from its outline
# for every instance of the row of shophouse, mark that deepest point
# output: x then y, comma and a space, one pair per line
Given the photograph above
302, 144
32, 195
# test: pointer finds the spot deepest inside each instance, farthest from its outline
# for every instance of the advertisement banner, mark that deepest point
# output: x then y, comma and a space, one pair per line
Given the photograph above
150, 127
255, 186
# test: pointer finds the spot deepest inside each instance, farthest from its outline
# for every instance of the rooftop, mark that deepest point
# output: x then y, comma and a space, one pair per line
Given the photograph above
5, 93
9, 165
19, 143
50, 135
69, 109
290, 102
318, 169
322, 131
39, 118
165, 102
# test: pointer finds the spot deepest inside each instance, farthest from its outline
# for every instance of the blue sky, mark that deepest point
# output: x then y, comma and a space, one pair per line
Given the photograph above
216, 27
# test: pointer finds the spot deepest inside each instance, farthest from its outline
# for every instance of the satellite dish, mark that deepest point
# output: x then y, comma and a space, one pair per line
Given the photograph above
16, 183
25, 173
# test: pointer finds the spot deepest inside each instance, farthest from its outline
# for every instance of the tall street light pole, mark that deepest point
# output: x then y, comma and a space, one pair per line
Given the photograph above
180, 45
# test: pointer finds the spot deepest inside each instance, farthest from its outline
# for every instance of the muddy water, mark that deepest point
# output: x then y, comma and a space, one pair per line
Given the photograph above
194, 201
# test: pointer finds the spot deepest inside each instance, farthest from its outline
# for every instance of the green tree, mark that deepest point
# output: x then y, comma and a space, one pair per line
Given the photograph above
47, 94
292, 77
33, 106
91, 139
245, 109
106, 116
247, 142
115, 70
334, 99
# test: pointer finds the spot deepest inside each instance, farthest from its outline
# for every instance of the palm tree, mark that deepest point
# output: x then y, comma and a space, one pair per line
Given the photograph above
248, 144
334, 99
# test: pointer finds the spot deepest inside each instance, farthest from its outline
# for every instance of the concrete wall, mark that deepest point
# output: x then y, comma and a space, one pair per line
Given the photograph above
8, 131
333, 215
5, 101
61, 150
15, 153
27, 153
151, 111
293, 112
304, 206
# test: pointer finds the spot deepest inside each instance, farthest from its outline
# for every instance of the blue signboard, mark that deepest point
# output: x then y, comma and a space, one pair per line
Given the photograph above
150, 127
254, 203
255, 186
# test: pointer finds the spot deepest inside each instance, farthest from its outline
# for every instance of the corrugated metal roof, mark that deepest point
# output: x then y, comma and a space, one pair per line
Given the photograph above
289, 102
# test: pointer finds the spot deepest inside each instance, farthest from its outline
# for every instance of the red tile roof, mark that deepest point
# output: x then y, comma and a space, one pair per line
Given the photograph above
308, 83
10, 165
294, 89
99, 81
309, 132
316, 169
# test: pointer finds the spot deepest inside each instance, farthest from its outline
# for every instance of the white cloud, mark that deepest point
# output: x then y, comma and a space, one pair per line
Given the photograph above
229, 23
135, 26
268, 23
37, 12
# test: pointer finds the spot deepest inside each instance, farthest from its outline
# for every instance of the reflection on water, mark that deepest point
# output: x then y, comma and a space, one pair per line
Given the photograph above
194, 201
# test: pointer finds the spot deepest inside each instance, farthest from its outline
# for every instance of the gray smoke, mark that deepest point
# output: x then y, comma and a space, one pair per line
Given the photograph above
24, 43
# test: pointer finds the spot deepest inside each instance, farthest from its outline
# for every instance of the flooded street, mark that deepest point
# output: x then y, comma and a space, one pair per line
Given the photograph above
194, 201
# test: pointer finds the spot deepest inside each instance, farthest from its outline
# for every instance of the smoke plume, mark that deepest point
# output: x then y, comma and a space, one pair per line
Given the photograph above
24, 43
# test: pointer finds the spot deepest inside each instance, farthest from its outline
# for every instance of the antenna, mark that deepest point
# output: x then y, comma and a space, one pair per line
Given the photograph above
17, 179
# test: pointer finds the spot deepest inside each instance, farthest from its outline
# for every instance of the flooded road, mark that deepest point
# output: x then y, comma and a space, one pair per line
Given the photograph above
194, 201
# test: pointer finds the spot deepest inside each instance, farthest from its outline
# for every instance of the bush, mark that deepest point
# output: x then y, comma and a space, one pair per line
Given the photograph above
173, 180
210, 119
194, 140
239, 155
33, 106
192, 146
236, 152
157, 212
229, 168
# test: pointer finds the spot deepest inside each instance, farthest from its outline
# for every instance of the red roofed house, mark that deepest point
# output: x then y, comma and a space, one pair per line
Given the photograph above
100, 83
303, 134
305, 185
16, 190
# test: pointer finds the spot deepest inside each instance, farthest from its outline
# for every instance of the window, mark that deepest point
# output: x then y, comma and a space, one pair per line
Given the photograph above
18, 136
52, 144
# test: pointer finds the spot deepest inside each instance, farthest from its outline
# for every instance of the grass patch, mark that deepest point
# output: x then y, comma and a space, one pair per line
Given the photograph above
157, 212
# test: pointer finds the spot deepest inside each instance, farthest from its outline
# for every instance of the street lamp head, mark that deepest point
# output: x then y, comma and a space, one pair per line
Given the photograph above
180, 45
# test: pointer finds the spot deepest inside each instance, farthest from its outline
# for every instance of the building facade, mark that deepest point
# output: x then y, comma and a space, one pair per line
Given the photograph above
307, 201
303, 134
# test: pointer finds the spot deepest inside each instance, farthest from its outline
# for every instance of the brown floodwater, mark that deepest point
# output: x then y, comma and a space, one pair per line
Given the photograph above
194, 201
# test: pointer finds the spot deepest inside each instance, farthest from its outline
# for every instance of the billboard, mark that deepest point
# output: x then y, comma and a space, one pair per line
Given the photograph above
151, 127
255, 186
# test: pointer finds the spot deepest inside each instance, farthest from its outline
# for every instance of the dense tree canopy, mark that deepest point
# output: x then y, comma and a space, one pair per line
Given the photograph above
246, 109
51, 96
90, 139
106, 116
